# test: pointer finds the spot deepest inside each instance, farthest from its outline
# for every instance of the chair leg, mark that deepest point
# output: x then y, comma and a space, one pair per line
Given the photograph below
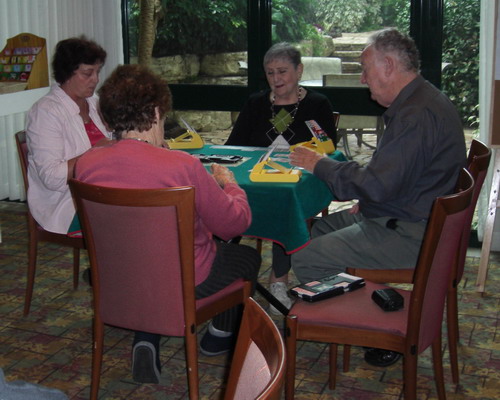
30, 276
291, 354
345, 144
359, 139
76, 266
333, 365
259, 246
347, 357
192, 361
437, 362
453, 331
96, 358
410, 376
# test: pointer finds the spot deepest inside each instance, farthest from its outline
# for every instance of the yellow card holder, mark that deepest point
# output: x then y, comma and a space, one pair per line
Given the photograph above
279, 173
188, 140
323, 147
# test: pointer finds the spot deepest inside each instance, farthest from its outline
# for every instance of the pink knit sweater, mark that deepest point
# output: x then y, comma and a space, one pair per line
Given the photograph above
133, 164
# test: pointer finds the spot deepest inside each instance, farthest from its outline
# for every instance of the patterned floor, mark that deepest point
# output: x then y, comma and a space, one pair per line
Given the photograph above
52, 346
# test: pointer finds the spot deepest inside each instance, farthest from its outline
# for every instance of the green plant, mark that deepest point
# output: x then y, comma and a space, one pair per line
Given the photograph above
396, 13
340, 16
460, 80
195, 27
293, 20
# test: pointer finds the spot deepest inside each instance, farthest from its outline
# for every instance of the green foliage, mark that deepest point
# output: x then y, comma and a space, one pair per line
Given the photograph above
195, 27
460, 80
340, 16
212, 26
292, 21
201, 26
396, 13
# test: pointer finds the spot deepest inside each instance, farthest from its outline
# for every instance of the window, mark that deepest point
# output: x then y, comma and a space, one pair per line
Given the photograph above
197, 42
251, 26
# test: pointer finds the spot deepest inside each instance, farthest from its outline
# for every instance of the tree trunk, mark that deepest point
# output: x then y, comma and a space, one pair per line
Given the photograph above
150, 12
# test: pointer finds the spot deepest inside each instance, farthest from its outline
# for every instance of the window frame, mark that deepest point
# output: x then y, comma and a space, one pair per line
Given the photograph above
426, 28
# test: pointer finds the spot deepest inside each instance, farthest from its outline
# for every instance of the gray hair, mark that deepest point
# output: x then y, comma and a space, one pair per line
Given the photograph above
390, 40
284, 51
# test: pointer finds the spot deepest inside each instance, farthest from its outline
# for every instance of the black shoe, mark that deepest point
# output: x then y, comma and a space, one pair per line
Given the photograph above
381, 358
211, 345
144, 368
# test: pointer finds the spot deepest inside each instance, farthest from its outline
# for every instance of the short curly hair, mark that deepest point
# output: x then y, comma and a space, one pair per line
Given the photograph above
129, 96
71, 53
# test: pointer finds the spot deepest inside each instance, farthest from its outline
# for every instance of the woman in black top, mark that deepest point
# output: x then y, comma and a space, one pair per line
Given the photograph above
278, 115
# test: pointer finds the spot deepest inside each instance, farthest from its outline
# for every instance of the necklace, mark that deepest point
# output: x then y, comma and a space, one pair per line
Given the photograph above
284, 119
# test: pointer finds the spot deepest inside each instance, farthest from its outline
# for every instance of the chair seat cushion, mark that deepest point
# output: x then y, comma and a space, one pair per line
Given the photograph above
354, 310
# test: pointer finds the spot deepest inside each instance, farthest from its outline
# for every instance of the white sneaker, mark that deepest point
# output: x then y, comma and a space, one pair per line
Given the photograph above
280, 291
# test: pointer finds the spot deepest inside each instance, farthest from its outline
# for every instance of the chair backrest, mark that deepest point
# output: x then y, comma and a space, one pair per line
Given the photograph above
478, 162
22, 152
436, 261
141, 250
258, 365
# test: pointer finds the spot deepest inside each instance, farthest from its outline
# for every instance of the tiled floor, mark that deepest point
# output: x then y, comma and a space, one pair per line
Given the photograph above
52, 346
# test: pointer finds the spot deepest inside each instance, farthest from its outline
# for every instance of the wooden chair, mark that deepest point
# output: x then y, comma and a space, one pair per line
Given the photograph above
355, 319
141, 251
258, 364
478, 161
37, 234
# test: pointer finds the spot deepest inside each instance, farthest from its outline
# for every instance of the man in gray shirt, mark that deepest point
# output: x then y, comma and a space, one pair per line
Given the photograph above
417, 159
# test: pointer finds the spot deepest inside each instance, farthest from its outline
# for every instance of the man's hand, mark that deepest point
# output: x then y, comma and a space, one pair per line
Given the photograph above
354, 209
305, 158
222, 174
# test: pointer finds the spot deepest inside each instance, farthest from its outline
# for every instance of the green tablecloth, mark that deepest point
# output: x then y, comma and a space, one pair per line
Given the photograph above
279, 210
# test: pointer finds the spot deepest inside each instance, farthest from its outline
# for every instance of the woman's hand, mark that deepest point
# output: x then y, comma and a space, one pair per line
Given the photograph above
222, 174
305, 158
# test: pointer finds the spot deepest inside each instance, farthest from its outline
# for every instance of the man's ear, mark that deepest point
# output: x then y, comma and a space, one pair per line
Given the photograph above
389, 65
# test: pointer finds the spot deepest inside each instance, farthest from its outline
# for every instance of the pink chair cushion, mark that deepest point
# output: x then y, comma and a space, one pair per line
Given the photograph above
354, 310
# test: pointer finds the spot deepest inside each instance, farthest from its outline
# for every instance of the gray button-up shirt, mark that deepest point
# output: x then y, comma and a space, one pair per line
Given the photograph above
417, 159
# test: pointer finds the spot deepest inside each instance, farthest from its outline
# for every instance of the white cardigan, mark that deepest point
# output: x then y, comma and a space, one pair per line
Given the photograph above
55, 133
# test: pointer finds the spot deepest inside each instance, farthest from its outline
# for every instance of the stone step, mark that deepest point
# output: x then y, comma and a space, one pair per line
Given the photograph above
349, 43
348, 56
351, 68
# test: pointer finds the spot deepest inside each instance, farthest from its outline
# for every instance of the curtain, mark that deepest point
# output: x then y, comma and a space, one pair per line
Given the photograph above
486, 64
53, 20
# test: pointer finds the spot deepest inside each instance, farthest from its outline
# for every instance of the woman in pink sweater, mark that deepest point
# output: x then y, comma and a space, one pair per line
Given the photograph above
133, 103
